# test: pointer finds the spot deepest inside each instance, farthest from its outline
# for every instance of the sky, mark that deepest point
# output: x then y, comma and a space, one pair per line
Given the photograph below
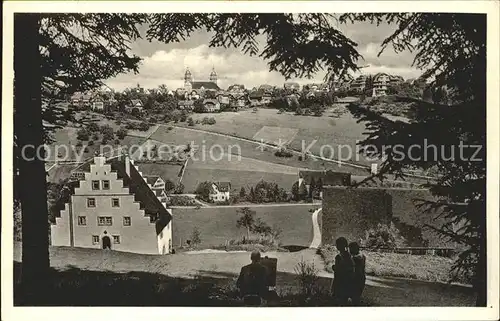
166, 63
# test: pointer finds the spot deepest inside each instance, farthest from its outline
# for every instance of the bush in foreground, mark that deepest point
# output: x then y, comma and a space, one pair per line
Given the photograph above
418, 267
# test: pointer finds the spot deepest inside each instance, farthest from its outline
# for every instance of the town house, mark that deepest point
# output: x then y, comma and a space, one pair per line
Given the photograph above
115, 207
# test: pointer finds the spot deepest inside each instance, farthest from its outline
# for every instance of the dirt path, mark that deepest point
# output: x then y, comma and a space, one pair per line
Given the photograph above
316, 242
254, 205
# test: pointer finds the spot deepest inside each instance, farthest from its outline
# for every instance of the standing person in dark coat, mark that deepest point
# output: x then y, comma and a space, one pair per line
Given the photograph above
343, 270
359, 272
253, 281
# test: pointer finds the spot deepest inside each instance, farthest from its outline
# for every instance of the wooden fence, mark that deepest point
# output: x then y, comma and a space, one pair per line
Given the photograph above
438, 251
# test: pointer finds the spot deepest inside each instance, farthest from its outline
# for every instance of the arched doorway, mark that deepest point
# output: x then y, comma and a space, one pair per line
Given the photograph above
106, 242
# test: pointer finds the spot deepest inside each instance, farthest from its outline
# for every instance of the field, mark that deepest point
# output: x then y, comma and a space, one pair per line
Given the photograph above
165, 171
275, 135
218, 225
300, 131
219, 146
238, 178
64, 147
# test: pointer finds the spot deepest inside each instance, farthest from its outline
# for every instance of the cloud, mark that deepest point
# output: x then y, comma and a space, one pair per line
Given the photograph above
166, 63
168, 67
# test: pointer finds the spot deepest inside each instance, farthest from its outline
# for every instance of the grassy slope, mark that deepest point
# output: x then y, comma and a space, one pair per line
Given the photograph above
67, 137
419, 267
217, 225
127, 279
325, 130
182, 136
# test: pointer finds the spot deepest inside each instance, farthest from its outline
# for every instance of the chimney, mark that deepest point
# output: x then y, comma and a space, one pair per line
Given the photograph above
127, 165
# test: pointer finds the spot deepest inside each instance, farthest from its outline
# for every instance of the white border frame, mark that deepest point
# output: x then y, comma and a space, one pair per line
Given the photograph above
492, 8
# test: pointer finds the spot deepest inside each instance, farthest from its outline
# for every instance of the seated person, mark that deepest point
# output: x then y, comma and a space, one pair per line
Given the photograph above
253, 281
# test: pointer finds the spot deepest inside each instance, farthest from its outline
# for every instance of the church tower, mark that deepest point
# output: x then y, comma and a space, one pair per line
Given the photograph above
187, 76
213, 76
188, 80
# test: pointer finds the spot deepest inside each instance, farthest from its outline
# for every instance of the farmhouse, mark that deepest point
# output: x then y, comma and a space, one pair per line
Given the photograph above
134, 107
211, 105
238, 101
223, 98
82, 100
293, 86
323, 179
220, 192
255, 98
115, 207
358, 84
236, 88
267, 98
97, 104
351, 212
157, 184
266, 88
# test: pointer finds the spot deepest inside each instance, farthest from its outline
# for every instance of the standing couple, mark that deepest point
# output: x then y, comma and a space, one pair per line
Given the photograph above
349, 273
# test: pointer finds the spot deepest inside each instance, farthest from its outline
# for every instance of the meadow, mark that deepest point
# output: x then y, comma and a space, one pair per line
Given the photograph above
237, 178
205, 141
298, 131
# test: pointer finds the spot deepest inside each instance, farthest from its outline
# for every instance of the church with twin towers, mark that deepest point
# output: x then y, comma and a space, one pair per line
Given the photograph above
190, 84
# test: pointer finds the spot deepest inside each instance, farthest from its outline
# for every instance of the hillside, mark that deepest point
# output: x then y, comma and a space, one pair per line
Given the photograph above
127, 279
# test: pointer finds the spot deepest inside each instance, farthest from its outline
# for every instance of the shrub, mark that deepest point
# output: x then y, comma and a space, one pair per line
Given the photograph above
307, 276
208, 121
283, 152
383, 236
93, 127
104, 141
195, 237
183, 118
79, 144
95, 136
91, 142
190, 121
144, 126
203, 190
107, 132
83, 134
182, 201
117, 142
121, 133
179, 188
170, 128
